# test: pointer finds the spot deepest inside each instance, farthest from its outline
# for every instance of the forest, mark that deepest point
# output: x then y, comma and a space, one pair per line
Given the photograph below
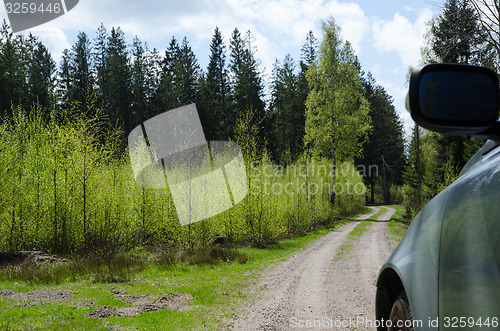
67, 183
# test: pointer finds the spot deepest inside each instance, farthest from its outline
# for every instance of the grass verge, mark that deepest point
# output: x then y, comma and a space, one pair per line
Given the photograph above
397, 225
217, 289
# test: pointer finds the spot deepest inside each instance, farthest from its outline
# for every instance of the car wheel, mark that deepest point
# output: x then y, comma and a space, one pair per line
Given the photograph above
401, 317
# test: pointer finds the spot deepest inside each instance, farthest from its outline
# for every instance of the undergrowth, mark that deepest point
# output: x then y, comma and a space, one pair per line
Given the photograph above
67, 188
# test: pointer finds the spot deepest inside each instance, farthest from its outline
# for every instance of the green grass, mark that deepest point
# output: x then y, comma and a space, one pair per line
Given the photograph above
218, 290
397, 225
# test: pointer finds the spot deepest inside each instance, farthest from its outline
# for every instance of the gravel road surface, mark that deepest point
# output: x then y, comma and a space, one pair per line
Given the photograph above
320, 287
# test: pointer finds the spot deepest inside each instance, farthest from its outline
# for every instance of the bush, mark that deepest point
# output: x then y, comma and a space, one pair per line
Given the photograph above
349, 189
397, 196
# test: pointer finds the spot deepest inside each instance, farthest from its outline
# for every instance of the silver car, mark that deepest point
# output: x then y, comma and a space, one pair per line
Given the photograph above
445, 273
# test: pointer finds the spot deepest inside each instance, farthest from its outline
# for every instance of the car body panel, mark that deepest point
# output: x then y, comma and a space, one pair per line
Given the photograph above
469, 284
449, 260
408, 261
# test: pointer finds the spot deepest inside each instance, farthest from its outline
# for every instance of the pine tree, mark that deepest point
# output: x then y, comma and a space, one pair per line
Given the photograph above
187, 73
138, 83
246, 81
64, 81
237, 56
285, 118
309, 49
456, 33
167, 93
152, 75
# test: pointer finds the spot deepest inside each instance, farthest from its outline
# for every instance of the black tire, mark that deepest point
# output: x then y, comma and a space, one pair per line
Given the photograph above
401, 315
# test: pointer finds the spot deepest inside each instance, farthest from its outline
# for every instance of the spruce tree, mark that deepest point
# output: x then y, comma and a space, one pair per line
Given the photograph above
41, 80
385, 145
100, 60
218, 116
80, 72
167, 92
118, 103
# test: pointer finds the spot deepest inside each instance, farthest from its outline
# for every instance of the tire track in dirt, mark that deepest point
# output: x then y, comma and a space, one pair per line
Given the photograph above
313, 285
354, 279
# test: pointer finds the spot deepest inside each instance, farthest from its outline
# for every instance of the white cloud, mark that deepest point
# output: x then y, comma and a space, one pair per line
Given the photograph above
402, 36
55, 40
280, 26
355, 25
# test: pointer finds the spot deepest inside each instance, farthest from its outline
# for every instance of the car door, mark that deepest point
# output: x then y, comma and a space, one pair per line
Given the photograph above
469, 277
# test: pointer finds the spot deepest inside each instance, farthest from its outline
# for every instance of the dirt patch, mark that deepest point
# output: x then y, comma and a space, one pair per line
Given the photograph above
20, 257
38, 296
144, 303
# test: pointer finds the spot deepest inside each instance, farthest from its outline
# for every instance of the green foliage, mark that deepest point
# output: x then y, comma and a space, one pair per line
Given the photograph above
286, 117
67, 189
441, 157
349, 188
216, 114
456, 33
337, 111
385, 145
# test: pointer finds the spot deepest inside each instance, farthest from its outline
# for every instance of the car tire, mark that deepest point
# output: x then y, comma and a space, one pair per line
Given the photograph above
401, 317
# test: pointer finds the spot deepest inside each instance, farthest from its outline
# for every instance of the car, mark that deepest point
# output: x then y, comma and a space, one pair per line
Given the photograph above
445, 273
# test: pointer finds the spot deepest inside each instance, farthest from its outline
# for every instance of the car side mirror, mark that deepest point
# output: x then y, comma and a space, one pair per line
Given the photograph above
454, 99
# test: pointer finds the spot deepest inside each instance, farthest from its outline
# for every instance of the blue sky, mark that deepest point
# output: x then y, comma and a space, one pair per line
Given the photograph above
386, 34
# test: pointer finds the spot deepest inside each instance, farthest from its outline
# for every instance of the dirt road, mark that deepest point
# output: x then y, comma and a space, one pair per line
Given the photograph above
320, 288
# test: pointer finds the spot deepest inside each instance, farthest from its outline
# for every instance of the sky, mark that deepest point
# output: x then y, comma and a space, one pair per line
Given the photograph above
386, 35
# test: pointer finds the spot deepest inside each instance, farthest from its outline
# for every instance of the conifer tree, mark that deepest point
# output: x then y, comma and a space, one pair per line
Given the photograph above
118, 103
218, 117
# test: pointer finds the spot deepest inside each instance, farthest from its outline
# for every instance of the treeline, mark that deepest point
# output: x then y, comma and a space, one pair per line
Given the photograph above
464, 32
67, 181
132, 83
